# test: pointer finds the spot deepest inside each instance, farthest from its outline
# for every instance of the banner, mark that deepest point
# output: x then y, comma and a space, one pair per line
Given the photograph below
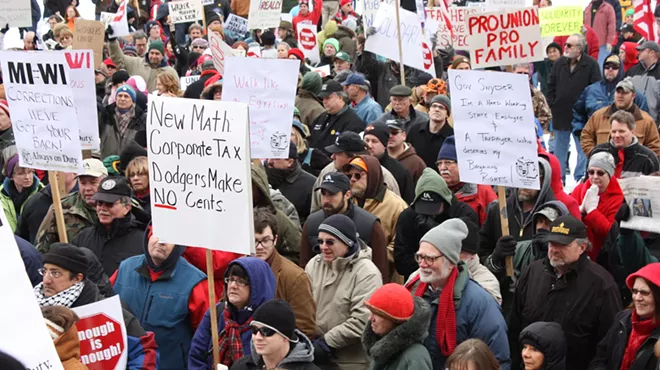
83, 85
503, 38
24, 332
494, 128
43, 111
268, 87
644, 201
16, 13
416, 50
236, 24
185, 81
458, 16
120, 22
220, 51
90, 35
102, 335
560, 20
264, 14
199, 173
307, 38
184, 11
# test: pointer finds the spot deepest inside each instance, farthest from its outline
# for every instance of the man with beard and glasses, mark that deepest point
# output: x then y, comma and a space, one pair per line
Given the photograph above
336, 199
568, 288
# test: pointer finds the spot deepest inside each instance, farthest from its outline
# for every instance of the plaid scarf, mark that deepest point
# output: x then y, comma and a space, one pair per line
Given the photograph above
231, 346
64, 298
123, 119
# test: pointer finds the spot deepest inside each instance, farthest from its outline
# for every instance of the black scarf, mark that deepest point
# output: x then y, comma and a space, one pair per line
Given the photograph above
277, 177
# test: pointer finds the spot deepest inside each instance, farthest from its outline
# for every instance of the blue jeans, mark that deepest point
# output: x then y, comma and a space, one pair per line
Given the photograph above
562, 144
581, 165
602, 55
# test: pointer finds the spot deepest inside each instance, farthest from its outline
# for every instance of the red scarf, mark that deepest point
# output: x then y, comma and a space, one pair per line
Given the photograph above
641, 329
231, 346
619, 166
445, 323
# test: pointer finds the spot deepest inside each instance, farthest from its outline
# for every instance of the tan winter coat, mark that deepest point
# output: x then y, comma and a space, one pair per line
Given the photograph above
482, 275
138, 66
68, 349
340, 289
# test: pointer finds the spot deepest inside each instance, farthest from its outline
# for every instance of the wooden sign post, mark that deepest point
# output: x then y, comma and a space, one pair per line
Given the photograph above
504, 221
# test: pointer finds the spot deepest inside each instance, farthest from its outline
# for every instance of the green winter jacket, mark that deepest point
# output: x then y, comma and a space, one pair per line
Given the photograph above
8, 204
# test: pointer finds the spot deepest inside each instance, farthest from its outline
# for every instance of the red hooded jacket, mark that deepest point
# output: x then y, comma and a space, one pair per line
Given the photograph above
592, 42
556, 184
197, 257
631, 54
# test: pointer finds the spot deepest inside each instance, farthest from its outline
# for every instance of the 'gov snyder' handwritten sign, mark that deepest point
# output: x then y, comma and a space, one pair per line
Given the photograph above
182, 11
199, 173
494, 128
501, 38
43, 111
457, 16
560, 20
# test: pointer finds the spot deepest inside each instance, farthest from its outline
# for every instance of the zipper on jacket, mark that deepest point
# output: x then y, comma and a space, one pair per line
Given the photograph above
145, 313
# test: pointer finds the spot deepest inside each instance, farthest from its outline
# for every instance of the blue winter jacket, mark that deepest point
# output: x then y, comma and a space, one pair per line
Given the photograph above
31, 259
599, 95
262, 289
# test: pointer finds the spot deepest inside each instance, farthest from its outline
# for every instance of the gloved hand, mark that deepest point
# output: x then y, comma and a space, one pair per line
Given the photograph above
109, 32
370, 31
505, 247
623, 214
426, 222
322, 351
590, 201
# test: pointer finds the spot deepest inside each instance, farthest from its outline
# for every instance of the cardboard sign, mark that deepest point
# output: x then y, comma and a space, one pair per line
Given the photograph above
184, 11
268, 87
43, 112
494, 128
220, 51
457, 16
16, 13
27, 339
236, 24
307, 38
560, 21
102, 335
106, 18
185, 81
416, 50
264, 14
81, 80
199, 173
503, 38
89, 35
120, 21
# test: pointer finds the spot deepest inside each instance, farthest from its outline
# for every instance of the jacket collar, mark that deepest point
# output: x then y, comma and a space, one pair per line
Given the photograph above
573, 269
636, 112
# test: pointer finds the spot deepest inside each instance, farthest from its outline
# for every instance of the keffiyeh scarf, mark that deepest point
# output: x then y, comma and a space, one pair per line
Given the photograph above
64, 298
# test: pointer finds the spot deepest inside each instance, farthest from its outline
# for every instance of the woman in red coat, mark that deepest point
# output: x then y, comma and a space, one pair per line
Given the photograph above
600, 198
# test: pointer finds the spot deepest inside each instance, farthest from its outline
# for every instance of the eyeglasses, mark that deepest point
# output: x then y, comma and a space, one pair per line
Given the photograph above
612, 67
265, 242
567, 45
600, 173
356, 175
53, 273
264, 330
644, 293
101, 203
428, 259
395, 132
328, 242
238, 281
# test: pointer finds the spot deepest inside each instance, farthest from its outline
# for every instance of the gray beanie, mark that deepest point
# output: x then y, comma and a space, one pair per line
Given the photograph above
444, 100
448, 238
603, 160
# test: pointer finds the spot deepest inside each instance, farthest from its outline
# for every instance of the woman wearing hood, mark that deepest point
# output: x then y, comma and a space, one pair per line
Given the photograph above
397, 327
249, 283
543, 346
20, 184
628, 53
61, 323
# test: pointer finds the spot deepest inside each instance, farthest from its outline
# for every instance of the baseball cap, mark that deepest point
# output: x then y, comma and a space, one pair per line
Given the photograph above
343, 56
396, 124
354, 79
565, 229
626, 84
111, 189
651, 45
613, 59
429, 203
347, 141
549, 212
335, 182
328, 88
93, 167
627, 28
358, 163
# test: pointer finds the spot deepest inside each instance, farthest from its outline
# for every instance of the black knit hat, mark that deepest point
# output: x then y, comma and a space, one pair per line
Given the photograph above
380, 130
67, 256
342, 227
276, 314
471, 243
293, 150
120, 76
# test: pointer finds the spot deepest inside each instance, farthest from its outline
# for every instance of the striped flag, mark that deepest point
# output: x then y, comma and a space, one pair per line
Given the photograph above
447, 18
644, 21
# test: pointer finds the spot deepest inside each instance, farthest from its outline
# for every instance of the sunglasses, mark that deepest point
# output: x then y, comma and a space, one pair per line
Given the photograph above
644, 293
357, 176
568, 45
597, 172
612, 67
265, 331
328, 242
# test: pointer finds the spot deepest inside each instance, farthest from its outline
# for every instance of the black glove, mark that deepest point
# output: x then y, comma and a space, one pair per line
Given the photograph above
623, 214
505, 247
578, 133
108, 33
426, 222
322, 351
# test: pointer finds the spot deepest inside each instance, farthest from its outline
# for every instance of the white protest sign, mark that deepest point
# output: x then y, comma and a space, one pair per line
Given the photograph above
503, 38
264, 14
183, 11
185, 81
207, 2
81, 80
269, 53
323, 71
236, 24
27, 339
239, 52
308, 40
102, 334
457, 17
416, 50
268, 86
199, 173
120, 22
642, 197
499, 5
16, 13
220, 51
43, 110
288, 17
106, 18
254, 52
494, 128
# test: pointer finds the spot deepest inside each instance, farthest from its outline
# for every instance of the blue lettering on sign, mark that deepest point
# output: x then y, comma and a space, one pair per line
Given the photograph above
409, 32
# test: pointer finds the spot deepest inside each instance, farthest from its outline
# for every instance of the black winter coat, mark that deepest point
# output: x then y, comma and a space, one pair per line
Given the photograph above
550, 338
401, 175
325, 128
637, 159
611, 349
297, 187
33, 214
194, 90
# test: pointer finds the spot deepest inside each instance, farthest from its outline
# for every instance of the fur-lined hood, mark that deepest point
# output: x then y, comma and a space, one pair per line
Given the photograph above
209, 90
383, 350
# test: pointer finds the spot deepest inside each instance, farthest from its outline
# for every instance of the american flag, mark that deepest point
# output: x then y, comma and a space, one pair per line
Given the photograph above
644, 21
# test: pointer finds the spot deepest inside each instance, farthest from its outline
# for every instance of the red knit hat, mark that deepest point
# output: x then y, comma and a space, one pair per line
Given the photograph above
344, 2
4, 106
650, 272
297, 52
393, 302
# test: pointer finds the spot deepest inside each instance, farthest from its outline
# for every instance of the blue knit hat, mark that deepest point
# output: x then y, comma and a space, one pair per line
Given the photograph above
448, 149
126, 89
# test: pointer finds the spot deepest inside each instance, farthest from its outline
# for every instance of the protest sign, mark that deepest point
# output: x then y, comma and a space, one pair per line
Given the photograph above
102, 335
370, 10
323, 71
106, 18
236, 24
416, 48
199, 173
185, 81
15, 13
503, 38
268, 86
307, 38
90, 35
494, 128
220, 51
457, 16
42, 110
500, 5
254, 52
642, 196
120, 22
183, 11
264, 14
560, 21
81, 80
239, 52
288, 17
27, 339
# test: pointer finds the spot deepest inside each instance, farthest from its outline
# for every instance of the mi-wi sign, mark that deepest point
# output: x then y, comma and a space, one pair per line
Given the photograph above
27, 74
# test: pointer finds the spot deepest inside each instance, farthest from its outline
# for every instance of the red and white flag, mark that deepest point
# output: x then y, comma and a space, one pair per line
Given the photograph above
644, 21
447, 18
